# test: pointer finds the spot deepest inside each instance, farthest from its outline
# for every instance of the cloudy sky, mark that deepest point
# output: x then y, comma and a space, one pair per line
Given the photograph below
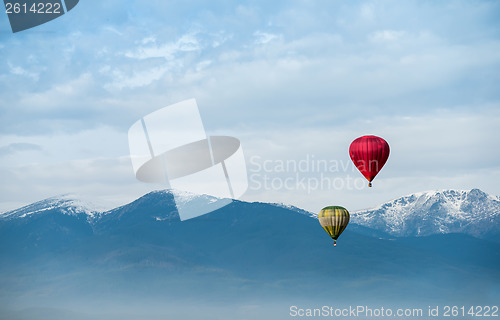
295, 81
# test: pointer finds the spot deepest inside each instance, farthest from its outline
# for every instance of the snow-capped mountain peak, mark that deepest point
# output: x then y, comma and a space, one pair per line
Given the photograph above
70, 204
444, 211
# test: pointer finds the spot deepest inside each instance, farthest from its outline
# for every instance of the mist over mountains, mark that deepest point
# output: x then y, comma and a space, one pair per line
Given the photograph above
65, 253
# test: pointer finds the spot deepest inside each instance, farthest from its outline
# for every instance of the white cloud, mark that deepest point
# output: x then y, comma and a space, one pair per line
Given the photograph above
386, 36
264, 37
17, 70
367, 11
185, 43
136, 78
13, 148
150, 39
62, 95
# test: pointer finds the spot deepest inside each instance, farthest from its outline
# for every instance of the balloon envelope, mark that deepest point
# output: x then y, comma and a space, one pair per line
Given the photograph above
369, 154
334, 220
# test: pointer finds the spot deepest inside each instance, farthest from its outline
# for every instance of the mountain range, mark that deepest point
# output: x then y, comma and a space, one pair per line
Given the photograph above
251, 258
473, 212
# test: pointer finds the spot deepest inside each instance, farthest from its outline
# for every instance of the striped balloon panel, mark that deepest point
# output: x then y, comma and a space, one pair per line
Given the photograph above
334, 220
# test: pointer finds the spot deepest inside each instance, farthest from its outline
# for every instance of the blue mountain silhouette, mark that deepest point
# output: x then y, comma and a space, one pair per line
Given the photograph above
57, 252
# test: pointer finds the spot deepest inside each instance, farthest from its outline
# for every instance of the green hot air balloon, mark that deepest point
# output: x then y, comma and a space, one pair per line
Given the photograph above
334, 220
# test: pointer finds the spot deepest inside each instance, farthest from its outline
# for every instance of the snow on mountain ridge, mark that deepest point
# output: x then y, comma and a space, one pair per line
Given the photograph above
442, 211
296, 209
70, 204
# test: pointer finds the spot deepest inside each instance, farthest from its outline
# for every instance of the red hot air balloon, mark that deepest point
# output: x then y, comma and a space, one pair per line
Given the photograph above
369, 154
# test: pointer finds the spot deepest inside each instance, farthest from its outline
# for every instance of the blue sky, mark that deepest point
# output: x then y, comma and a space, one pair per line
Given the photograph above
293, 80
